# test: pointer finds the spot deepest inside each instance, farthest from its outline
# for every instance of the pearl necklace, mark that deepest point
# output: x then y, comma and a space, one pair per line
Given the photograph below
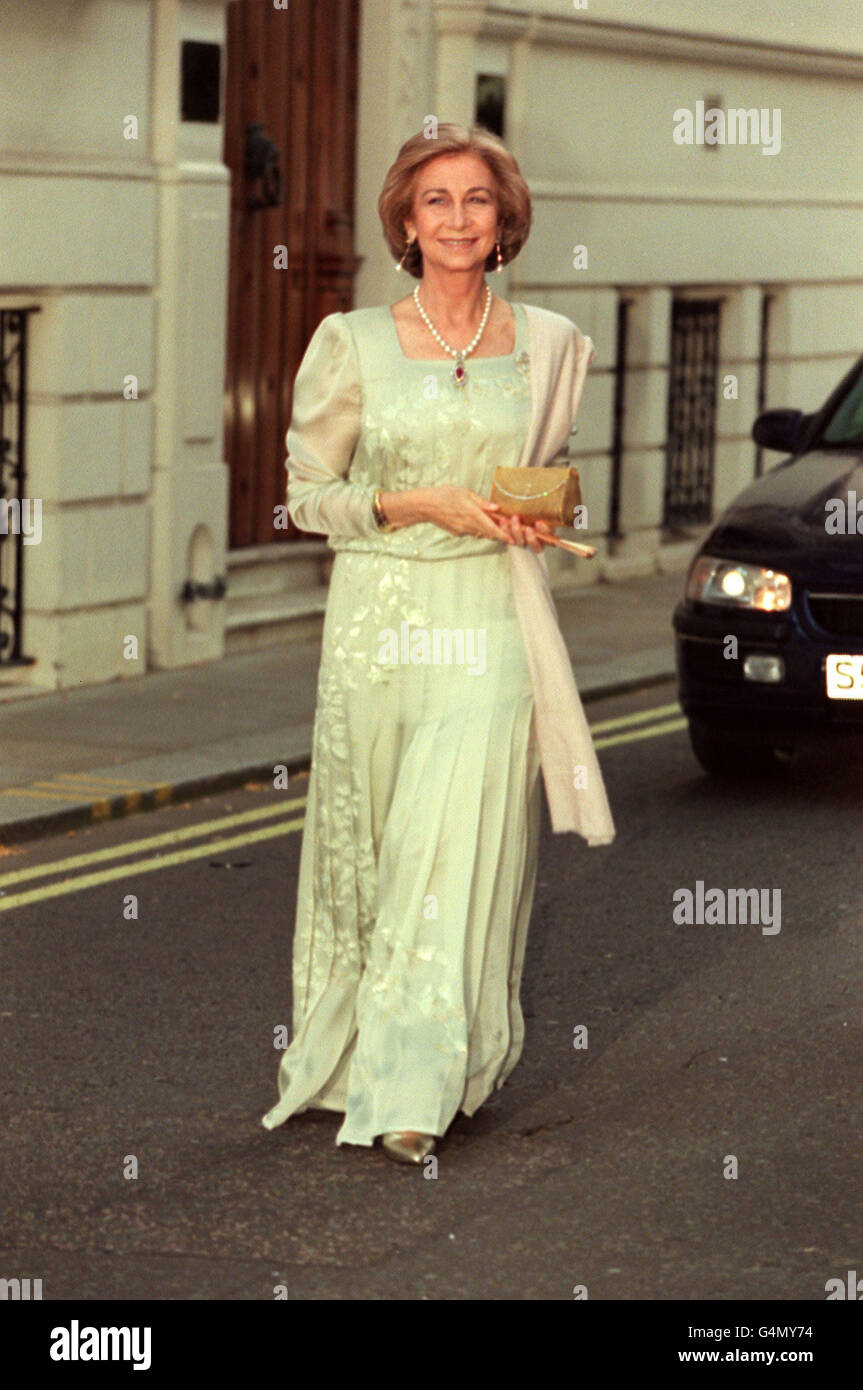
458, 373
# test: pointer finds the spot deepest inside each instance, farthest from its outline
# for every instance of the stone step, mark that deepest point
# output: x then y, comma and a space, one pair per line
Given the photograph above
275, 593
254, 639
277, 569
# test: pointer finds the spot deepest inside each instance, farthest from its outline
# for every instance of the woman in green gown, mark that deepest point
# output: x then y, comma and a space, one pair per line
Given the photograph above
419, 852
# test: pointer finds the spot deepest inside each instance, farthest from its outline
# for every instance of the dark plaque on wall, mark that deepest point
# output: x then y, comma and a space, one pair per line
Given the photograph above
200, 69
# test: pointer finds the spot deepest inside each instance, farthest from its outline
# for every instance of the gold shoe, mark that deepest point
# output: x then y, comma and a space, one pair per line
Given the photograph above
406, 1146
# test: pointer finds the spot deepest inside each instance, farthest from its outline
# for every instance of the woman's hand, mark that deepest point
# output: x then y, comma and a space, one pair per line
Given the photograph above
465, 513
529, 533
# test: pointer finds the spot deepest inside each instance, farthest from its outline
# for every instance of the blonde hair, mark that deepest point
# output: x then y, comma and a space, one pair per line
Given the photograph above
512, 193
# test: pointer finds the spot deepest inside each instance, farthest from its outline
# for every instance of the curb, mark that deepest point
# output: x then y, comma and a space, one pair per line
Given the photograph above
159, 794
105, 808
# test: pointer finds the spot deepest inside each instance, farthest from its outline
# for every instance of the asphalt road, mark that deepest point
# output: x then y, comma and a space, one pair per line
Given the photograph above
147, 1041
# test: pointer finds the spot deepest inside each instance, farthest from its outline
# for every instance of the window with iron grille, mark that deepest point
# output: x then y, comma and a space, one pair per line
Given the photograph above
691, 436
13, 404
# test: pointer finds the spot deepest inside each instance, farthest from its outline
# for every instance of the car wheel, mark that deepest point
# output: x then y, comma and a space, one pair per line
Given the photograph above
722, 755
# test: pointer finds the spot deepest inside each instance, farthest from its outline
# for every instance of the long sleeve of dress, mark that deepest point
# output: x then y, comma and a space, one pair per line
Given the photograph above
325, 425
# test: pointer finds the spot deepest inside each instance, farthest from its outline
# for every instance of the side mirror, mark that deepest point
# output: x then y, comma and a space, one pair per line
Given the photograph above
779, 429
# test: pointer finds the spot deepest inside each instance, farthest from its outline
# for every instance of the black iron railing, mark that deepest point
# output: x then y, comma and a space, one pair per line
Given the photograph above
763, 358
618, 417
13, 471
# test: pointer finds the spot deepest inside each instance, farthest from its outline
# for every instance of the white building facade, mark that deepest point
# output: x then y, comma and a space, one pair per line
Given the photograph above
716, 278
113, 226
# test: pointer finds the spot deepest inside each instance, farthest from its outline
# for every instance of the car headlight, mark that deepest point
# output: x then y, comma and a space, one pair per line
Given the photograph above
738, 585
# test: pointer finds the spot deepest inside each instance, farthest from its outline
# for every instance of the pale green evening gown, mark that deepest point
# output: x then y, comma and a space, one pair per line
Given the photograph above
419, 851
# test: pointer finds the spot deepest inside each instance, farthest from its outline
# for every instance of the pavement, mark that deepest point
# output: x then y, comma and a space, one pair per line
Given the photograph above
90, 754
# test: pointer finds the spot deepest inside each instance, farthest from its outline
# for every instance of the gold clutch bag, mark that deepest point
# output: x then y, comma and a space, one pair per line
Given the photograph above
546, 494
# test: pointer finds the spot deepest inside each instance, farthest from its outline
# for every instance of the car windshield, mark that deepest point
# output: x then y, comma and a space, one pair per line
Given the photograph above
845, 425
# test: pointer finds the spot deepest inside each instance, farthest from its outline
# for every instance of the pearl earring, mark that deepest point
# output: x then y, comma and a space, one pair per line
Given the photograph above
499, 266
400, 263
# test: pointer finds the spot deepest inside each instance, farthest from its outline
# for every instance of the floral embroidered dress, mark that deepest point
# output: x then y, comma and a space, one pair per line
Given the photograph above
419, 852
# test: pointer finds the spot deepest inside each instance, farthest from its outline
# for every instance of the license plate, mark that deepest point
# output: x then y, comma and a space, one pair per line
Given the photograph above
844, 677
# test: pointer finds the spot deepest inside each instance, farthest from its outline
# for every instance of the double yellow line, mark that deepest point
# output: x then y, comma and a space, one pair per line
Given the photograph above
151, 842
264, 823
628, 734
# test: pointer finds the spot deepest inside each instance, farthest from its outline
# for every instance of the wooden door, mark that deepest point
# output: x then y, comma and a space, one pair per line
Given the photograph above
294, 72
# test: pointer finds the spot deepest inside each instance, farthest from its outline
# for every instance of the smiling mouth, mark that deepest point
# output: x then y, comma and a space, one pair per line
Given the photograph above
467, 242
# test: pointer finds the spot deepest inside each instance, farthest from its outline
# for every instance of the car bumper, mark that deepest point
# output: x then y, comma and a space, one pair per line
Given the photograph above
714, 691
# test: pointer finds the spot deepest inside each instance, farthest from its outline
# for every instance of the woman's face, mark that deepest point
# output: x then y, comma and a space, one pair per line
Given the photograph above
454, 212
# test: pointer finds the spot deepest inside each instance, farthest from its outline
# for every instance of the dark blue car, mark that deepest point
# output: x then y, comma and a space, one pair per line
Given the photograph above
769, 635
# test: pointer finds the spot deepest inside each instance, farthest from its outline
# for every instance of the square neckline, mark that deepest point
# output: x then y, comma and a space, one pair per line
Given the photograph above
443, 361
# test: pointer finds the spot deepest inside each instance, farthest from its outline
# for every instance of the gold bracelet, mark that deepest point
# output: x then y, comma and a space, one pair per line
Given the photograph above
379, 514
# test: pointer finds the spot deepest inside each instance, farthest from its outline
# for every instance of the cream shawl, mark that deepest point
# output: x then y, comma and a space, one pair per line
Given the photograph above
577, 800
